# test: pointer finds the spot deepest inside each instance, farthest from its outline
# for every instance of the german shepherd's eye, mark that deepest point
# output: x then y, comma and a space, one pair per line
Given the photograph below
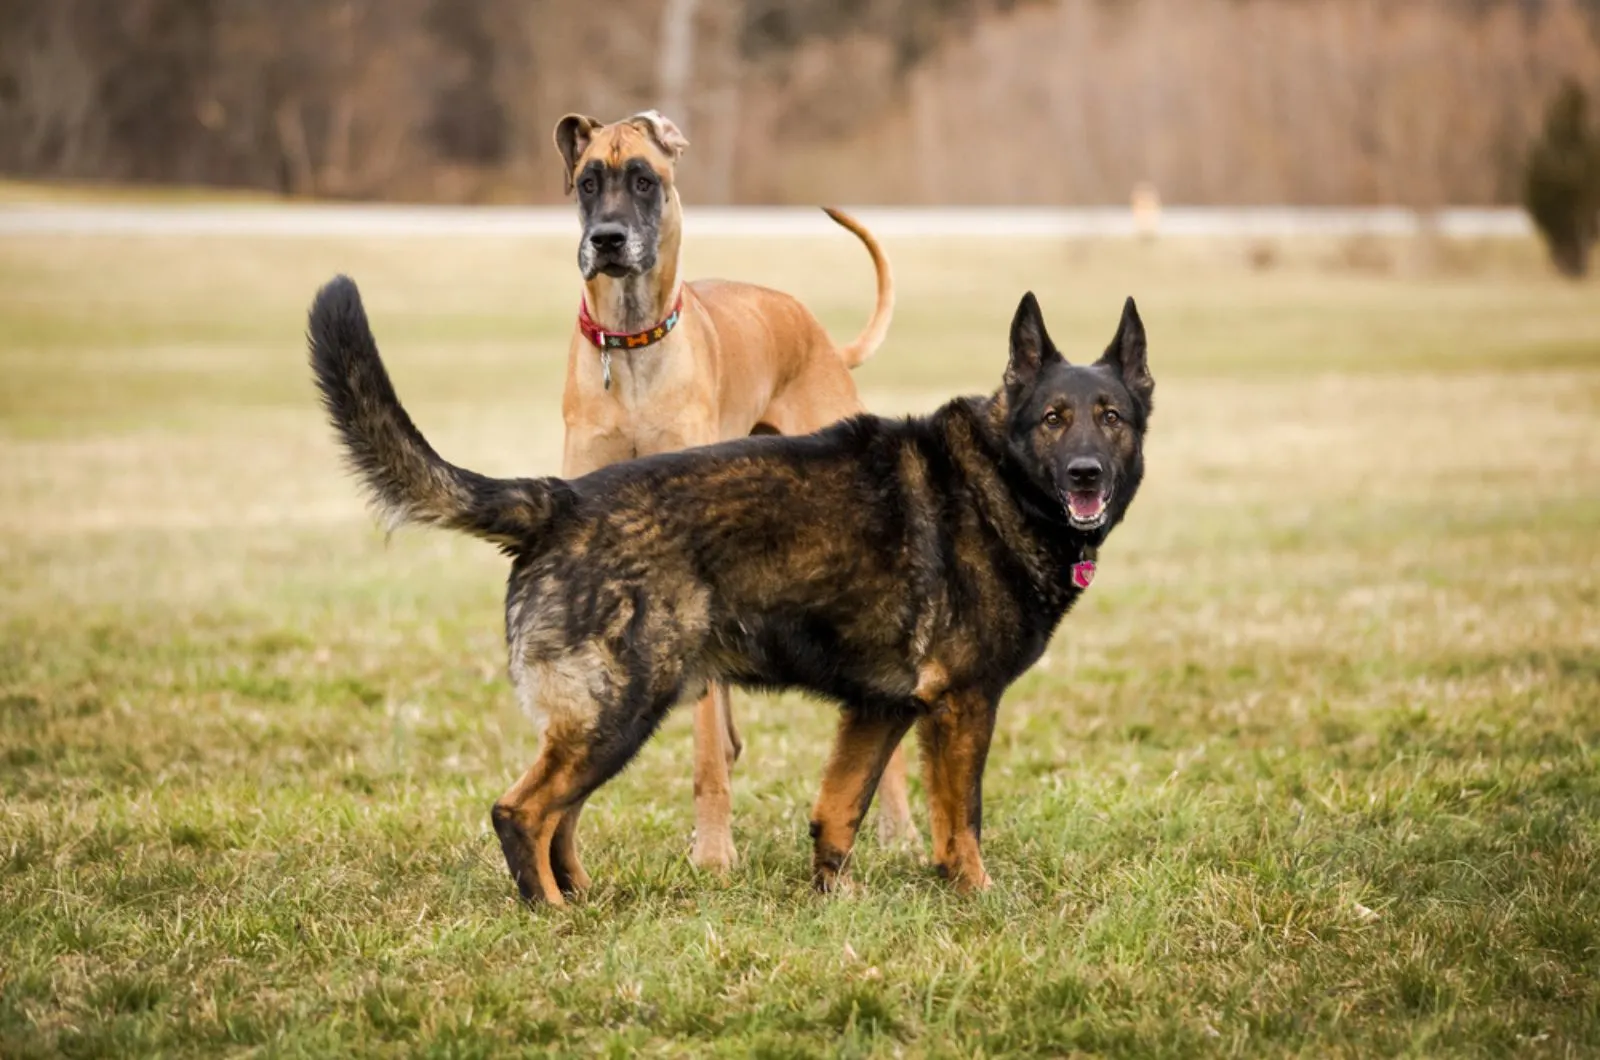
1111, 417
643, 185
1052, 418
588, 185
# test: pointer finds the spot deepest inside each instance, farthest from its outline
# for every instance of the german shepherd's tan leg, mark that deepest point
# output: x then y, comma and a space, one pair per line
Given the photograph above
537, 818
564, 852
526, 818
861, 750
716, 747
955, 745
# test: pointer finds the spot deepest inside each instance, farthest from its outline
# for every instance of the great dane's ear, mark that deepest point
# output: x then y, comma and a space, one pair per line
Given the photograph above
1127, 356
1031, 348
661, 129
572, 138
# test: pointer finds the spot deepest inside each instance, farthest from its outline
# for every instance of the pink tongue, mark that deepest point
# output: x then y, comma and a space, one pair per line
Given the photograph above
1085, 505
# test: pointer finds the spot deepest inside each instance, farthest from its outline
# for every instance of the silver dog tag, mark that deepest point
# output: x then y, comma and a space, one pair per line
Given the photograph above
605, 367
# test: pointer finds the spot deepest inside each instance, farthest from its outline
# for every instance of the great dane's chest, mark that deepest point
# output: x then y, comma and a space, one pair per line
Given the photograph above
658, 400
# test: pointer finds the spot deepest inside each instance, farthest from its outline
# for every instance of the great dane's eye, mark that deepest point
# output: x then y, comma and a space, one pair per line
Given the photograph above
643, 185
1052, 418
588, 185
1111, 417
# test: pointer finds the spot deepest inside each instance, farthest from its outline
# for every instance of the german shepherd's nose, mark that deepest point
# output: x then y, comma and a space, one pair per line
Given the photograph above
1084, 473
608, 238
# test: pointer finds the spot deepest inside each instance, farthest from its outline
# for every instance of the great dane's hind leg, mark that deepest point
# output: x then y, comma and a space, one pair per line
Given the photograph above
735, 746
861, 750
895, 826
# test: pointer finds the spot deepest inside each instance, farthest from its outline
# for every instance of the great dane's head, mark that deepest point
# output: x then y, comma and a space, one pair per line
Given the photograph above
623, 174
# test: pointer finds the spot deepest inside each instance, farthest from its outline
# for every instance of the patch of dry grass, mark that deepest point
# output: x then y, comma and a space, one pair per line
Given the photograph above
1311, 770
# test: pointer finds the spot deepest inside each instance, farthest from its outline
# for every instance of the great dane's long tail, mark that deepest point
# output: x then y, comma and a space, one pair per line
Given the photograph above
408, 480
866, 344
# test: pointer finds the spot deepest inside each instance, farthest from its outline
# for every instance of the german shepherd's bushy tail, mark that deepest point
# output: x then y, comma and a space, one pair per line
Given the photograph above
409, 482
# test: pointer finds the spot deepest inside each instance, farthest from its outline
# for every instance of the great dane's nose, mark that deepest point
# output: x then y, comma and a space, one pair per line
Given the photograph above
608, 238
1084, 473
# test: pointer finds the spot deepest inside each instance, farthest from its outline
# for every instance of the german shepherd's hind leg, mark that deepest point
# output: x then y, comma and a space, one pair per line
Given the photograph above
955, 745
861, 750
716, 747
564, 860
537, 819
518, 817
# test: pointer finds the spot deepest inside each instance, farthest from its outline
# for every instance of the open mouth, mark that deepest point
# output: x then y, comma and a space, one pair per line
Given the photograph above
1086, 509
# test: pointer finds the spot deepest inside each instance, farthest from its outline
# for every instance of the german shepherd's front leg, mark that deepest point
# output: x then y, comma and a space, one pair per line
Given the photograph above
861, 750
955, 745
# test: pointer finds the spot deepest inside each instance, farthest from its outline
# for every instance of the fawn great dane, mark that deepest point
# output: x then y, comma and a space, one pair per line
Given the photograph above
657, 364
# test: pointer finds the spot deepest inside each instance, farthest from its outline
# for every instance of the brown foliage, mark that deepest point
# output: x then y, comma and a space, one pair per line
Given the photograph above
984, 101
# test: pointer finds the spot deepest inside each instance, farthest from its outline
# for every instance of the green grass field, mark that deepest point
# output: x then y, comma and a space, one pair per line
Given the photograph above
1314, 769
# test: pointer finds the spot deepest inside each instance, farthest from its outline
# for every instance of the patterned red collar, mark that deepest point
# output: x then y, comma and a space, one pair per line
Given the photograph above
602, 339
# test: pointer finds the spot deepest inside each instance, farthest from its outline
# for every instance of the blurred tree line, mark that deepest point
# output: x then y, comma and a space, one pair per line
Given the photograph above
1420, 102
1561, 191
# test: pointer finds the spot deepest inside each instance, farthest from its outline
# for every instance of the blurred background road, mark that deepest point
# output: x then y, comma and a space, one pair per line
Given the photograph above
753, 222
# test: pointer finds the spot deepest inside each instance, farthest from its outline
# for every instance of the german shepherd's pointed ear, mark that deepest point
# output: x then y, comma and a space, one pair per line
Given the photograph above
573, 134
1127, 355
667, 136
1031, 348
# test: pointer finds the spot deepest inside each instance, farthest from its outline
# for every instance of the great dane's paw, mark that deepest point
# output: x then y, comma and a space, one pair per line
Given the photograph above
897, 830
713, 852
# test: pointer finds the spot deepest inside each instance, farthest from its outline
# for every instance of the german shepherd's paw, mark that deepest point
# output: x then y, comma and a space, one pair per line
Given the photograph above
965, 878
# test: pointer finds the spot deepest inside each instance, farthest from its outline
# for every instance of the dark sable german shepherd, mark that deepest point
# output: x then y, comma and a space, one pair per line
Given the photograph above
909, 570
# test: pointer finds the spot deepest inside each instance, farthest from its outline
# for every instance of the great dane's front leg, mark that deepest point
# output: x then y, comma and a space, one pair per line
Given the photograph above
955, 746
716, 739
716, 746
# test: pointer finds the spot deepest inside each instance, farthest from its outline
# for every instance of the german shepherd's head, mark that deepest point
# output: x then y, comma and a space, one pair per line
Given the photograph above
1078, 430
623, 174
